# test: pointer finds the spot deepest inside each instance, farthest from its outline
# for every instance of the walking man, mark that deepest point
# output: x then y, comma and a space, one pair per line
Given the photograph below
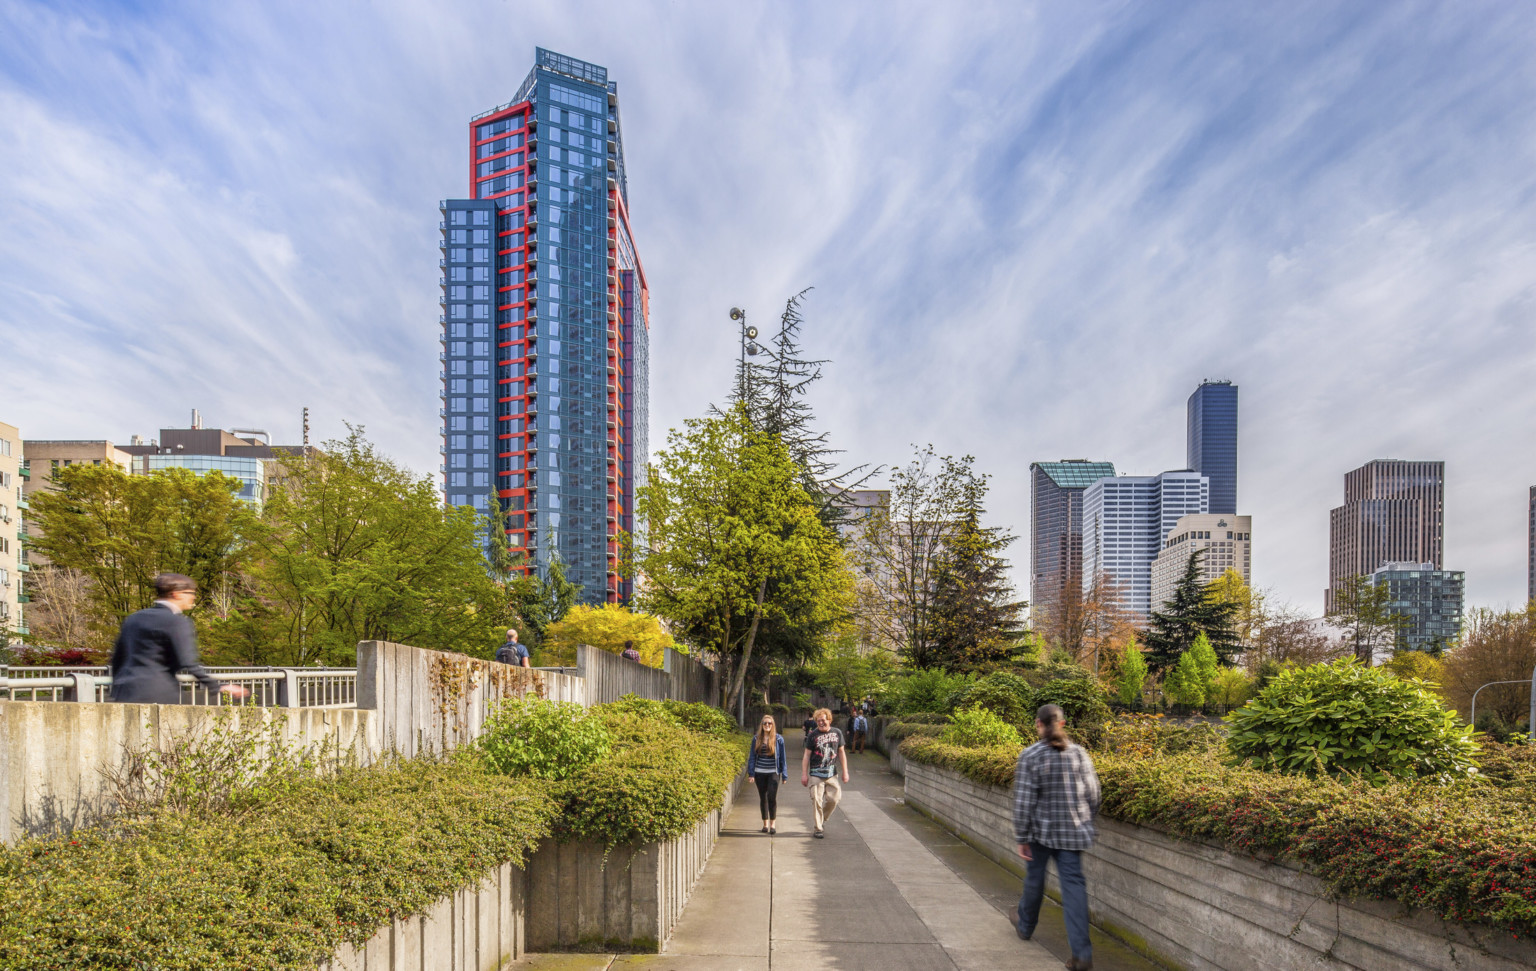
157, 642
1055, 798
511, 652
819, 768
860, 729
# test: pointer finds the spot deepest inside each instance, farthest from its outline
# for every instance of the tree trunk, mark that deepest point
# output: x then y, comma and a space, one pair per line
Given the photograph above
746, 651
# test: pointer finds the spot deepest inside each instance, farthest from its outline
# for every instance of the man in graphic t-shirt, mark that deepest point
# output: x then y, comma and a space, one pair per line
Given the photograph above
825, 759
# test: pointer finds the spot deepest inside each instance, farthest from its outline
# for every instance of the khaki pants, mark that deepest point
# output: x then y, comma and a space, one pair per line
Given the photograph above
825, 794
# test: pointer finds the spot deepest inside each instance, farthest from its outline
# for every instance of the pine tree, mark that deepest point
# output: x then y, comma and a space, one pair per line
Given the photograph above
1192, 611
975, 619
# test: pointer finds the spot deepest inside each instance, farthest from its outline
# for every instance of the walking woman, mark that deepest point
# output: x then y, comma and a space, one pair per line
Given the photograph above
768, 769
1055, 798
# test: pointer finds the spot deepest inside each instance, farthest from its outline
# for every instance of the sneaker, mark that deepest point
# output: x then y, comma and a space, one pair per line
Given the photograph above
819, 835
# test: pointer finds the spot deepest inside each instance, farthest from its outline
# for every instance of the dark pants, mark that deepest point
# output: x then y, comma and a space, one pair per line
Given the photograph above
768, 794
1074, 896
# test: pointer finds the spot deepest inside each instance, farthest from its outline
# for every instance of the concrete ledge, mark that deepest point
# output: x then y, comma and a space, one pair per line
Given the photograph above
1195, 905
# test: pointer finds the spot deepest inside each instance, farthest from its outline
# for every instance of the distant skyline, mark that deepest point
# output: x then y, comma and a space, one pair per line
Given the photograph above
1032, 229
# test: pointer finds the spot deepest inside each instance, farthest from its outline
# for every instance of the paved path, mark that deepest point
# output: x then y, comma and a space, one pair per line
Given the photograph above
887, 890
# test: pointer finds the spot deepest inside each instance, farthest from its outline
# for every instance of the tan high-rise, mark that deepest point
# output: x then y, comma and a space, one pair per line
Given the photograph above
1394, 511
12, 565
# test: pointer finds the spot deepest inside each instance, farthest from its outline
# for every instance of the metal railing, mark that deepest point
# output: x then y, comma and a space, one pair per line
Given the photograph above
266, 686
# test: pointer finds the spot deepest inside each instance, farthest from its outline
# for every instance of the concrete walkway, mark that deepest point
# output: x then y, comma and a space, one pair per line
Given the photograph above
887, 889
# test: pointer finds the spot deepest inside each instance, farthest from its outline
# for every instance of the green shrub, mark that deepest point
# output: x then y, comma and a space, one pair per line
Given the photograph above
896, 731
926, 690
980, 728
991, 766
1148, 734
542, 738
1002, 692
1080, 696
925, 718
704, 719
1130, 674
279, 885
651, 792
1345, 718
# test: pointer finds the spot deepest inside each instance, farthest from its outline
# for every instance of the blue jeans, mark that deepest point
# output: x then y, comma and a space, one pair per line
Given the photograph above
1074, 896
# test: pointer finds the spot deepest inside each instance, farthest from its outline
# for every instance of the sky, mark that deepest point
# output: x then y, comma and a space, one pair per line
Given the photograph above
1031, 229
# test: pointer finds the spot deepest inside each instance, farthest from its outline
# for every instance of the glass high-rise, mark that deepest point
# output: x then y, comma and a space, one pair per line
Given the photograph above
545, 326
1056, 529
1212, 446
1126, 520
1428, 601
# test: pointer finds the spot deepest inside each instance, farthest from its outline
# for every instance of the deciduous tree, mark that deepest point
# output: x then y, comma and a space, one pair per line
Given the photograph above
1496, 646
1364, 610
606, 626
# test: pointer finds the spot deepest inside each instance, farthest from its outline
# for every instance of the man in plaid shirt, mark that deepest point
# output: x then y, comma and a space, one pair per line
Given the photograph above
1055, 797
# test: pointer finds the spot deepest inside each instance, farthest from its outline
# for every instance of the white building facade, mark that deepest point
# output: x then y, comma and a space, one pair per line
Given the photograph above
12, 562
1226, 540
1125, 520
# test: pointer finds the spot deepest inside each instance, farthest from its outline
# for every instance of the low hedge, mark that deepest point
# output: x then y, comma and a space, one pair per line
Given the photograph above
274, 886
904, 729
924, 718
277, 876
1465, 852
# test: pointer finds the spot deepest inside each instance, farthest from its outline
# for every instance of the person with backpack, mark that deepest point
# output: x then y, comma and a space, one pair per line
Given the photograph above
629, 653
858, 730
1055, 799
512, 652
768, 768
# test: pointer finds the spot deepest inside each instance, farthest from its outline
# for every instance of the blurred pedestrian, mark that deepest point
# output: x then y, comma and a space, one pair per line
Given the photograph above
157, 642
859, 729
1055, 800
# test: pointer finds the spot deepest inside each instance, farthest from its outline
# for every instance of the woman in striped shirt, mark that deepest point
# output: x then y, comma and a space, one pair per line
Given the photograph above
768, 769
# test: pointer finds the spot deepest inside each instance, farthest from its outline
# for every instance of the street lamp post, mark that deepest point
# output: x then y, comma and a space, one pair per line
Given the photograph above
1530, 727
749, 346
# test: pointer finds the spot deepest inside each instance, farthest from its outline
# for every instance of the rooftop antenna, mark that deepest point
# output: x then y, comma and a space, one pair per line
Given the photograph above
306, 425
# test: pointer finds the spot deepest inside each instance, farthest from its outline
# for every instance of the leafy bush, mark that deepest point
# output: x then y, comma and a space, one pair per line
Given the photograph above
542, 738
925, 690
980, 728
1149, 734
992, 766
896, 731
650, 790
279, 884
925, 718
704, 719
1344, 718
1002, 692
1080, 696
1232, 687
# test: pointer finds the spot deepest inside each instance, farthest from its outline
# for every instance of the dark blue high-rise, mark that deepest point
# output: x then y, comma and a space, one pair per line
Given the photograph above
1213, 441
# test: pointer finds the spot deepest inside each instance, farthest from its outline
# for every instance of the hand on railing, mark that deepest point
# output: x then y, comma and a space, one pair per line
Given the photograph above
234, 691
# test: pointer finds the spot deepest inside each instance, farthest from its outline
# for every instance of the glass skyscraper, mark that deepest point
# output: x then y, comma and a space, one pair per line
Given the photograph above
1056, 530
1212, 449
1126, 519
545, 326
1428, 600
1393, 512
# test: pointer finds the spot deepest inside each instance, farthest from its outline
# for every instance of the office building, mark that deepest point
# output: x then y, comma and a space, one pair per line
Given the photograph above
1226, 540
1393, 512
1212, 447
1430, 599
47, 456
1056, 529
13, 565
1125, 521
545, 326
246, 454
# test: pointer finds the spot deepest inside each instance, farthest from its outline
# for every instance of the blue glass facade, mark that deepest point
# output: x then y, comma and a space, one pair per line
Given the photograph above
545, 381
1428, 600
1213, 441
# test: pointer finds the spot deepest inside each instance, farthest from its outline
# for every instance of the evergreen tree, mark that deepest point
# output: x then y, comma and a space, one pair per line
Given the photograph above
1131, 675
975, 620
1192, 611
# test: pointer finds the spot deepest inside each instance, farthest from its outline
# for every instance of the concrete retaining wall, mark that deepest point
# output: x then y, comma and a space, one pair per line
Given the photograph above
476, 929
432, 701
55, 755
1200, 907
629, 901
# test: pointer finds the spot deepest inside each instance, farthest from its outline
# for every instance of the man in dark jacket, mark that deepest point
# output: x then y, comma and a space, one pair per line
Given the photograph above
512, 652
157, 642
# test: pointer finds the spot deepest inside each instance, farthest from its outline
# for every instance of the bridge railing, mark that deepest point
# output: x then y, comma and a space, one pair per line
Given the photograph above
320, 687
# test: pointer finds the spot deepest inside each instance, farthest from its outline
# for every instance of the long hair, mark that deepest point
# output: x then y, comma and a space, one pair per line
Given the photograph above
765, 739
1051, 717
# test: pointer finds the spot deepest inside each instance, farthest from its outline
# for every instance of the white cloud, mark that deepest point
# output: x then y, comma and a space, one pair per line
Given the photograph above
1032, 230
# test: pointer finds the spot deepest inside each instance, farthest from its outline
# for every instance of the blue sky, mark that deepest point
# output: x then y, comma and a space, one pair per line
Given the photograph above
1032, 228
